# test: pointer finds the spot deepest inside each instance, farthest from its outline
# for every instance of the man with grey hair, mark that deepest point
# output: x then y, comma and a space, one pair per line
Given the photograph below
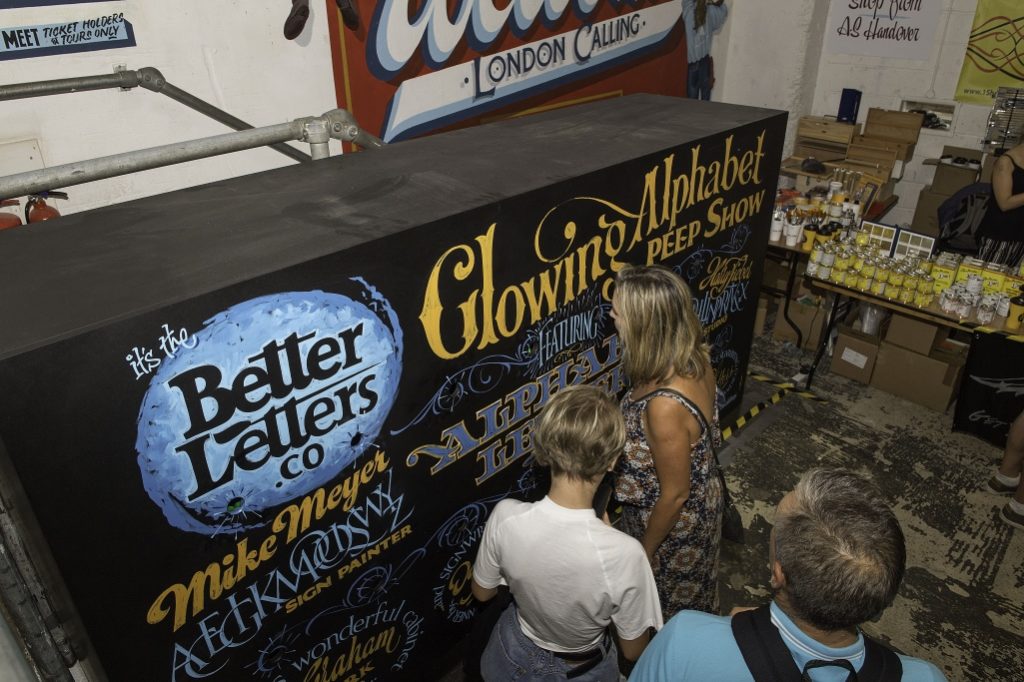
837, 557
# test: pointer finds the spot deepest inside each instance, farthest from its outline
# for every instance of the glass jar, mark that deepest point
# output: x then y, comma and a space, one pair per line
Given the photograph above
910, 280
896, 277
877, 288
828, 256
926, 266
906, 295
986, 313
863, 283
963, 306
843, 260
812, 269
883, 270
925, 284
838, 276
862, 238
870, 268
824, 271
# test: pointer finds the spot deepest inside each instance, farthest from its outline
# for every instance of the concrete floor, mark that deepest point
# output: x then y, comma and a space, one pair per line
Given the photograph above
962, 602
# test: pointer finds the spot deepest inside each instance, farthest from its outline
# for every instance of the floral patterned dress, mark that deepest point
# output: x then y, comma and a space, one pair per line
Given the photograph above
686, 563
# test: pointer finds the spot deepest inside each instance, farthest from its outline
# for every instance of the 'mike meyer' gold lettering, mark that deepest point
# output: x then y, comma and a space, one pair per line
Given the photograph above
213, 581
218, 577
298, 517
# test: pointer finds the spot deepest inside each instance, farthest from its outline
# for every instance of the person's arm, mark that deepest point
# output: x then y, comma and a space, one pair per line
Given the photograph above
483, 593
670, 431
717, 12
487, 567
1002, 185
632, 648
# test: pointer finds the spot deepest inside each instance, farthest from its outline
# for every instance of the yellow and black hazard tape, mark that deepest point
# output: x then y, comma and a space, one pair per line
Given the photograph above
757, 409
787, 386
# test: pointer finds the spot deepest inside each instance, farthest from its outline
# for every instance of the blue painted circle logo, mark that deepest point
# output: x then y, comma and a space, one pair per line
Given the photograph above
276, 397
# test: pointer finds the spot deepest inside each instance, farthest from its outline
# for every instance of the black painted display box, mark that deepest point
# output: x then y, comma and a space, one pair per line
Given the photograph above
261, 422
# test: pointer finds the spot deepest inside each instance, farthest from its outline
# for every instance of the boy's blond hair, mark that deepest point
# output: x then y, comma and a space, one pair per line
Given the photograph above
579, 433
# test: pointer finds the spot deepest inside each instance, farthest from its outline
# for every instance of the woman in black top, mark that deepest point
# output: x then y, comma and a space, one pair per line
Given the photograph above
1001, 233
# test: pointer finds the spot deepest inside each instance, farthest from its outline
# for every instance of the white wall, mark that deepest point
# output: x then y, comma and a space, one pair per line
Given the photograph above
772, 55
885, 83
230, 53
775, 58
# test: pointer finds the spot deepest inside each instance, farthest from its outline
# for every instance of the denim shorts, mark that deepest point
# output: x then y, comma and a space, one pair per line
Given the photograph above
511, 655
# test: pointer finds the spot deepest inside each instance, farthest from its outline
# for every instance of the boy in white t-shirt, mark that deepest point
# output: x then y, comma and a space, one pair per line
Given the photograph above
570, 573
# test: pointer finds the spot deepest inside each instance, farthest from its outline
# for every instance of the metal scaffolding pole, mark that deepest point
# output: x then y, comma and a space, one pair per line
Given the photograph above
147, 78
337, 123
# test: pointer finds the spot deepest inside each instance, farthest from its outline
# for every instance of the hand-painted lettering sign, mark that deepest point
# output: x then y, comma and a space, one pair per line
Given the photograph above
414, 68
287, 478
85, 35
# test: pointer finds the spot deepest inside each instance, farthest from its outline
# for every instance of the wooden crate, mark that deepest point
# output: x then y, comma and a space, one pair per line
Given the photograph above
903, 127
822, 151
821, 129
903, 151
881, 158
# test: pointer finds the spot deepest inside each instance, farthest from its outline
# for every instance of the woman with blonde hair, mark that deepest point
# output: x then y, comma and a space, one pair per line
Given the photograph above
667, 477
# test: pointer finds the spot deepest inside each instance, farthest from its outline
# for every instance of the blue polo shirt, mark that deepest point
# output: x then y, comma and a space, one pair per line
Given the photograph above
701, 647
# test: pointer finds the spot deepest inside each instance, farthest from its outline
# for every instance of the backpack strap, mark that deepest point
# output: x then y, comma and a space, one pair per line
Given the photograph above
880, 662
769, 659
764, 652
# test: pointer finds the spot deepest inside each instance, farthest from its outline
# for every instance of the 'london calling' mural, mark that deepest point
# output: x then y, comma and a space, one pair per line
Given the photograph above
287, 478
405, 69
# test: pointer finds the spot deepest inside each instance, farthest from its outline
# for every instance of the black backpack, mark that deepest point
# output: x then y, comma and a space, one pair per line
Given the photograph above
769, 659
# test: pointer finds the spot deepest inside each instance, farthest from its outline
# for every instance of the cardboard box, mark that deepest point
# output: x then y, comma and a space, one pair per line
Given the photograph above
951, 177
913, 334
764, 304
986, 168
993, 281
1012, 285
944, 275
970, 266
775, 274
855, 354
930, 380
926, 215
808, 315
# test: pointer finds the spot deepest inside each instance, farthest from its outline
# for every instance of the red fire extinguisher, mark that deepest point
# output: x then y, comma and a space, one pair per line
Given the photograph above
37, 210
8, 219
